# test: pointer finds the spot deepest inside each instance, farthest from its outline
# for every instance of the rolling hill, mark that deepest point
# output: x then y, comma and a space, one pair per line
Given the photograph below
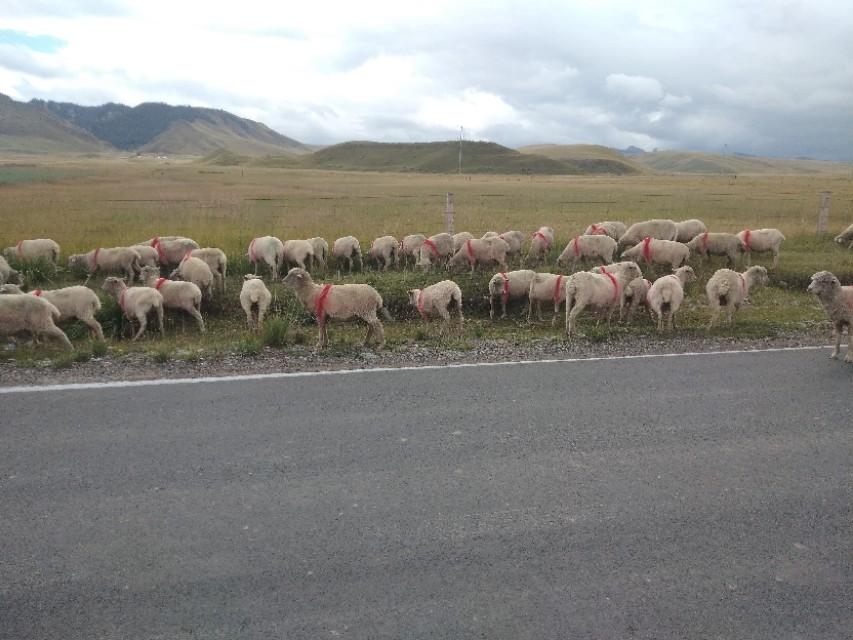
587, 158
29, 129
697, 162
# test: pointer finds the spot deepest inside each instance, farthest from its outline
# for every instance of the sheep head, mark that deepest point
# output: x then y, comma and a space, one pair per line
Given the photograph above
114, 285
758, 275
297, 278
824, 284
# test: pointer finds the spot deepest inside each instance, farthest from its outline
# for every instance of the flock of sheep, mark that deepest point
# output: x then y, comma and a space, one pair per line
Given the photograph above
611, 287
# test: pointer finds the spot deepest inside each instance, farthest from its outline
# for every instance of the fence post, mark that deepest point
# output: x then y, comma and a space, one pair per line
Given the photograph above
448, 212
823, 214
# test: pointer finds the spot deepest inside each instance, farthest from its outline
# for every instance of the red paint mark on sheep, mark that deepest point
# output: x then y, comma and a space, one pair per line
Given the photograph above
471, 258
576, 247
557, 288
160, 255
252, 255
320, 306
705, 241
647, 249
95, 258
595, 230
20, 249
420, 305
37, 293
505, 296
747, 236
432, 247
159, 283
544, 239
614, 282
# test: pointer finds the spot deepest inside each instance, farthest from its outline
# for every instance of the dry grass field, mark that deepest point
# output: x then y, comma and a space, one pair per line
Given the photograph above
84, 203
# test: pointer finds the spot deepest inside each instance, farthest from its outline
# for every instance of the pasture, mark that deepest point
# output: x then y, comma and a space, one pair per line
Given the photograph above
87, 203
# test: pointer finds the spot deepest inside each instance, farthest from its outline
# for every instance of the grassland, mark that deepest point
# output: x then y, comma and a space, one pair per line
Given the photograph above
114, 203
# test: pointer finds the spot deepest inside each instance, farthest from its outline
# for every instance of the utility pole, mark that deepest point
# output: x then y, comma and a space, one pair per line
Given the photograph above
448, 212
461, 129
823, 214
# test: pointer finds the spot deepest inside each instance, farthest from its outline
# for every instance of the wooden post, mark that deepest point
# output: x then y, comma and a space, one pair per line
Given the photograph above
448, 212
823, 214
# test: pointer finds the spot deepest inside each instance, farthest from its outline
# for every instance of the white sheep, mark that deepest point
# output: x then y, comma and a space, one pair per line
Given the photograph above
321, 252
658, 229
339, 302
477, 251
604, 290
717, 244
34, 249
136, 302
609, 228
509, 285
495, 234
546, 287
653, 251
347, 248
195, 270
8, 274
586, 247
728, 289
255, 299
515, 240
216, 260
435, 250
686, 230
636, 295
31, 314
74, 303
114, 260
170, 249
667, 293
177, 294
540, 245
268, 250
298, 253
410, 246
438, 299
845, 236
837, 301
761, 241
461, 238
385, 251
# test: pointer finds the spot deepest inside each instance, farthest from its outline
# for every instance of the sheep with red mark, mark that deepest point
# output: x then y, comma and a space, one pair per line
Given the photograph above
26, 250
587, 247
136, 303
837, 301
717, 244
267, 250
195, 270
410, 246
540, 244
666, 295
113, 260
435, 250
762, 241
478, 252
385, 252
659, 229
609, 228
216, 260
148, 256
255, 299
74, 303
339, 302
21, 313
636, 296
509, 285
728, 289
653, 251
170, 249
603, 291
177, 294
438, 300
546, 287
686, 230
347, 248
460, 238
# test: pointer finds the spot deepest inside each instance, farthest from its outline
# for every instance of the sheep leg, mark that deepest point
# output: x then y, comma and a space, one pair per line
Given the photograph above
775, 258
94, 327
503, 308
143, 321
836, 333
849, 356
56, 332
715, 314
660, 321
378, 331
130, 273
322, 338
89, 277
571, 319
195, 314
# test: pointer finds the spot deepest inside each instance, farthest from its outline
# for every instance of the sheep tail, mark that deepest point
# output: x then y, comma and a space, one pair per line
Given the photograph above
666, 295
723, 291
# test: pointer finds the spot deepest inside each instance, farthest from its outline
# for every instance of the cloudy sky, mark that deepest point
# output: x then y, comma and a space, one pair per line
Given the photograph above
763, 77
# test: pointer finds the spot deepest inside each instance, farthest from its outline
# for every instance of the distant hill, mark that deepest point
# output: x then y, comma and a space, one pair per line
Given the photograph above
26, 128
178, 130
697, 162
432, 157
227, 158
586, 158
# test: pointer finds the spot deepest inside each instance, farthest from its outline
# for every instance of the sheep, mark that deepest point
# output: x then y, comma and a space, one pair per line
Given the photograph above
609, 228
76, 302
434, 250
461, 238
176, 294
340, 302
8, 274
255, 299
604, 290
478, 251
114, 260
845, 236
410, 246
658, 229
837, 301
195, 270
438, 299
587, 246
540, 245
727, 288
686, 230
546, 287
34, 249
636, 295
654, 251
385, 251
347, 248
268, 250
321, 252
170, 249
148, 256
508, 286
216, 260
299, 253
760, 241
136, 302
666, 294
32, 314
717, 244
495, 234
515, 240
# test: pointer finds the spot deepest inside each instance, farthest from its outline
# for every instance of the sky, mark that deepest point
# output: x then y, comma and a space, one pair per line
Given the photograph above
760, 77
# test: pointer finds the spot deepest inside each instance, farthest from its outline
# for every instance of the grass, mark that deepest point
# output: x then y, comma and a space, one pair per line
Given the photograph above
109, 204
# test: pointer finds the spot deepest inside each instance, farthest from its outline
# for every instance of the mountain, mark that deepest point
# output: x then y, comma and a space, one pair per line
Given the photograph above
154, 127
585, 158
698, 162
27, 128
632, 151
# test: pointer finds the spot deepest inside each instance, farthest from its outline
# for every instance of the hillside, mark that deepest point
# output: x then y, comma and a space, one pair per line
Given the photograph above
696, 162
432, 157
26, 128
162, 128
586, 158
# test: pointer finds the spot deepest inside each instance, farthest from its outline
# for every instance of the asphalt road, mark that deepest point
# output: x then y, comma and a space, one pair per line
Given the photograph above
689, 497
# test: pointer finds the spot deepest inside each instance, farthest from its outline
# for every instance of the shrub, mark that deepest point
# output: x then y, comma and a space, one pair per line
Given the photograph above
275, 332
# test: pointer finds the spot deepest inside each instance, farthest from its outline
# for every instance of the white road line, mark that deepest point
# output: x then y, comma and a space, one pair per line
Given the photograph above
341, 372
